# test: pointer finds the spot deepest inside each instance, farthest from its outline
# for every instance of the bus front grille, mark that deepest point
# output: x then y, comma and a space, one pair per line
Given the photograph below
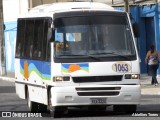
97, 79
98, 91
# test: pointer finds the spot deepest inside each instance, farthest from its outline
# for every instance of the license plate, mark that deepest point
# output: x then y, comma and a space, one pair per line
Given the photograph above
98, 100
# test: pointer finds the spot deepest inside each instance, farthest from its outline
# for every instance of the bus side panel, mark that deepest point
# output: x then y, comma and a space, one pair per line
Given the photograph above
29, 73
46, 79
20, 87
20, 90
35, 94
32, 72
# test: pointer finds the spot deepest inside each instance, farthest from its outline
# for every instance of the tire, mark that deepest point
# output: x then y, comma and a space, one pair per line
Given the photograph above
60, 111
129, 109
97, 108
42, 108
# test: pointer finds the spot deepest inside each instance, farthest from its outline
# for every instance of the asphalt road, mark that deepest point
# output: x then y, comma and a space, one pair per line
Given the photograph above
149, 109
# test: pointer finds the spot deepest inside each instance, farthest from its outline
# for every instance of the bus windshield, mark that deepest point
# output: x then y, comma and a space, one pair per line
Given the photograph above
93, 36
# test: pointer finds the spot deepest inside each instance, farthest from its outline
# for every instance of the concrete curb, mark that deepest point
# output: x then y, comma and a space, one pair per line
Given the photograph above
7, 79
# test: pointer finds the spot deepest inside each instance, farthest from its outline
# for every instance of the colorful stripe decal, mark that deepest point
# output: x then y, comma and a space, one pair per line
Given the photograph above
42, 69
70, 68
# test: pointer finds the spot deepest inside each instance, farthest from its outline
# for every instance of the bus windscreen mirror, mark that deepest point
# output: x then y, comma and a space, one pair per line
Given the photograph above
49, 34
136, 29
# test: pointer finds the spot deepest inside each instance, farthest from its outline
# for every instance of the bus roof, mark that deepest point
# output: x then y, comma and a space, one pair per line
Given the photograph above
49, 9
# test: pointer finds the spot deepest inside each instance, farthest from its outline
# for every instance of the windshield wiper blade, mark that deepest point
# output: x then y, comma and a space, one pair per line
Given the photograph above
70, 55
90, 56
113, 53
93, 57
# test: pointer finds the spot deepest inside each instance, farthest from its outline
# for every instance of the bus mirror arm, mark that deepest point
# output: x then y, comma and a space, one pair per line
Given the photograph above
135, 26
136, 29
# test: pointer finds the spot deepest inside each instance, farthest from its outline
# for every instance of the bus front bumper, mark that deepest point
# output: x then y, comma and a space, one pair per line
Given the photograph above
96, 95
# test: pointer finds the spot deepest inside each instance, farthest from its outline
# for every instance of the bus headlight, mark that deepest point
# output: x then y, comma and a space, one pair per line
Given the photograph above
61, 78
132, 76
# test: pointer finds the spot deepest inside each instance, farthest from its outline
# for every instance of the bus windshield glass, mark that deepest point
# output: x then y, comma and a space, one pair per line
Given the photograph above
98, 36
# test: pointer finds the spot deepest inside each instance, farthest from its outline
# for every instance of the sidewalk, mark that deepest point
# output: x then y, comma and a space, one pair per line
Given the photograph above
146, 87
8, 77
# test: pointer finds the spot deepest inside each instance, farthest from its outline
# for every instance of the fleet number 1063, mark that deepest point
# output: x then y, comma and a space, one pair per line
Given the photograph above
121, 67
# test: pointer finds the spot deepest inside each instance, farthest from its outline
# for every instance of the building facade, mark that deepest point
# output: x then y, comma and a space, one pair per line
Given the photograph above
147, 17
12, 9
146, 14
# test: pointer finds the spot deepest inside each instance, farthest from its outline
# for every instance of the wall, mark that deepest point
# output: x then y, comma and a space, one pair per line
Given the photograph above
12, 9
147, 12
141, 15
10, 39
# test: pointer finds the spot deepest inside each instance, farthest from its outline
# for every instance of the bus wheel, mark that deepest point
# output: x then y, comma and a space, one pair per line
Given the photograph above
129, 109
42, 108
33, 106
60, 111
56, 111
95, 108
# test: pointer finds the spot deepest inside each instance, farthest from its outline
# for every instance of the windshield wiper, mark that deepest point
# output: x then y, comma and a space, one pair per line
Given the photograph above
70, 55
90, 56
93, 57
112, 53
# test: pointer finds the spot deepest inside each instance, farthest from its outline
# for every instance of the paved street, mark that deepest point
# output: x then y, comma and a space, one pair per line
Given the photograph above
9, 101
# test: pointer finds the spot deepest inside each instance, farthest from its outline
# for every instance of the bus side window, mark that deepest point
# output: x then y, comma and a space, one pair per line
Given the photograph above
29, 34
31, 50
32, 38
36, 52
20, 37
38, 38
18, 49
46, 41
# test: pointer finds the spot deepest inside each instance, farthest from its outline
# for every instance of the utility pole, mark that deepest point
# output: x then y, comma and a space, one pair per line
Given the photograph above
2, 50
126, 5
